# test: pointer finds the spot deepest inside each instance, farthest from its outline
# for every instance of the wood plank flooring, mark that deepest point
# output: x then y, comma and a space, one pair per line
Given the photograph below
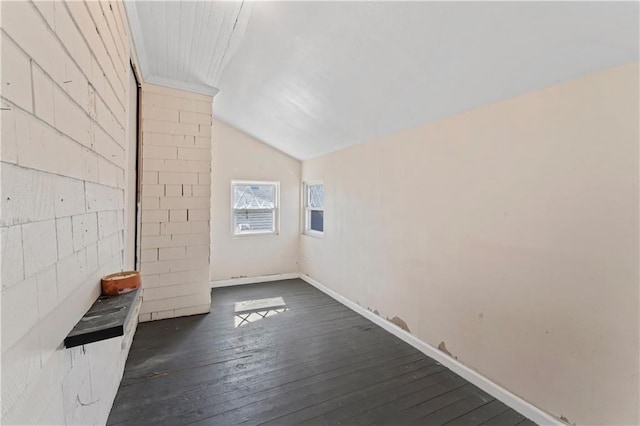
295, 356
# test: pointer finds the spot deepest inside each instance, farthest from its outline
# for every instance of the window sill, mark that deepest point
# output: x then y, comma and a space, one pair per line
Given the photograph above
255, 234
313, 234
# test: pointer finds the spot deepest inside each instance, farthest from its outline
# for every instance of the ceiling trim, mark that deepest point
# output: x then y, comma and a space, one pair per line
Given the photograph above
201, 88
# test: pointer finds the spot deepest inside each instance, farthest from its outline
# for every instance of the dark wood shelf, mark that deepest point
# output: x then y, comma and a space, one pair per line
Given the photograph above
107, 318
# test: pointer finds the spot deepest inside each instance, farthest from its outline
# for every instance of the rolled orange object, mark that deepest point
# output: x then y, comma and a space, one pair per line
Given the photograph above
120, 283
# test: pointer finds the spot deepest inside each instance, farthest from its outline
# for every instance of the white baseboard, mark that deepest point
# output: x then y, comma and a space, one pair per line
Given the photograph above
253, 280
498, 392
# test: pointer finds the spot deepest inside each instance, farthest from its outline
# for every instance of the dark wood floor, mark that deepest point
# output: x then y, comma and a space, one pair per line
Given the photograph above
301, 359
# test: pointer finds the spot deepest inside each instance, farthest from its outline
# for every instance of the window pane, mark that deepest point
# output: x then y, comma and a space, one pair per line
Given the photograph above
317, 220
248, 221
254, 196
316, 196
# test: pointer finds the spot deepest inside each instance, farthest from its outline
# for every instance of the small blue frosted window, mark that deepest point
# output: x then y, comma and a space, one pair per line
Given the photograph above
317, 220
314, 205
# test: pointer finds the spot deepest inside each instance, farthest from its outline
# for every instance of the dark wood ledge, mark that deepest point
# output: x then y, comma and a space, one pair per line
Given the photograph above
107, 318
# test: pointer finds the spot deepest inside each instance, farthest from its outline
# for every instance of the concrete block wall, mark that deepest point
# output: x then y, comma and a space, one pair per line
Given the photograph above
175, 202
64, 104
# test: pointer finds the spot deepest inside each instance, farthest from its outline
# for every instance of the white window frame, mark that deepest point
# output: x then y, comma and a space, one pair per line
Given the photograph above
276, 209
308, 209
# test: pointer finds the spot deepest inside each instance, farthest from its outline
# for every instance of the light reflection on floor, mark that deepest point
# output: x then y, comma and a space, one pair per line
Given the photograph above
249, 311
246, 318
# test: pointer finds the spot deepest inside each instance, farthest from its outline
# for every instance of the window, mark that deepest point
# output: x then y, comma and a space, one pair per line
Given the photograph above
255, 207
314, 208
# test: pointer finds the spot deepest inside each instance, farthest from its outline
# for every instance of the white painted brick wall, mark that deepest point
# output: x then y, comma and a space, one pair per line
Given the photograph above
178, 216
18, 317
69, 197
108, 223
43, 95
39, 246
151, 216
12, 259
16, 71
85, 230
64, 236
47, 282
64, 98
16, 208
199, 214
150, 229
175, 203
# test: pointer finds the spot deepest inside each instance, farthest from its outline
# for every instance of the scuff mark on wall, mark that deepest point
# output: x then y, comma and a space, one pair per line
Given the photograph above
399, 322
86, 404
566, 420
375, 311
443, 348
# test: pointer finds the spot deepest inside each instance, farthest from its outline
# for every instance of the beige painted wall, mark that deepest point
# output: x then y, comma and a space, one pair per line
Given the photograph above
238, 156
510, 233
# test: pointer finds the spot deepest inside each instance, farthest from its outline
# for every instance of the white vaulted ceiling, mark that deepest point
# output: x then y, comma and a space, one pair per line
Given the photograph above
186, 44
312, 77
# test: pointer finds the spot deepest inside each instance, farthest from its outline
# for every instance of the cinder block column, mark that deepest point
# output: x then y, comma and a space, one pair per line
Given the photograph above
175, 202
